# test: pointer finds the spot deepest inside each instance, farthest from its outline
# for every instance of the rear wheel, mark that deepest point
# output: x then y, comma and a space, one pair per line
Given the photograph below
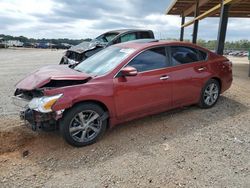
83, 124
210, 94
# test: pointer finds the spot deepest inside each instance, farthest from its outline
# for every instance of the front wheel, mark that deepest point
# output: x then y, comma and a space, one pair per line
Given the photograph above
210, 94
83, 124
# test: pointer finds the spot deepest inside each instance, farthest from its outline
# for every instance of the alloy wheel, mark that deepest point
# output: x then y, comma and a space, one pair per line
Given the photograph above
85, 126
211, 94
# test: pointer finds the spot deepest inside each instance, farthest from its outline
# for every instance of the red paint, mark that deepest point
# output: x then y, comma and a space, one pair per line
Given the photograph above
127, 98
48, 73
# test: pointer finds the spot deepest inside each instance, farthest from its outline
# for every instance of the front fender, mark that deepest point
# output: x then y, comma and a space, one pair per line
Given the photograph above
102, 93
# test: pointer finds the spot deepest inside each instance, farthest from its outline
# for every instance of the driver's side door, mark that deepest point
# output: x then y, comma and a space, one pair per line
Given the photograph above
149, 91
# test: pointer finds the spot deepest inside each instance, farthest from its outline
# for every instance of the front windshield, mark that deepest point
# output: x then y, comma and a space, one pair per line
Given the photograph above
104, 61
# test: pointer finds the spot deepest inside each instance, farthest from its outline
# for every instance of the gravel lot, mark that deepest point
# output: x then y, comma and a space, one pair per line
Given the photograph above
187, 147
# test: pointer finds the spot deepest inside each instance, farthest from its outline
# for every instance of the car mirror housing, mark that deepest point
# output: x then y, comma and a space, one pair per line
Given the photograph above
129, 71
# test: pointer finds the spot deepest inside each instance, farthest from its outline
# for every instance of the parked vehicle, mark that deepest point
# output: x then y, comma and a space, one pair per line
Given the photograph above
121, 83
82, 51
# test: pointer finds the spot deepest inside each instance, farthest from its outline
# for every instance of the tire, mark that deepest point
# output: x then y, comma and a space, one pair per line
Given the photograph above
76, 119
209, 97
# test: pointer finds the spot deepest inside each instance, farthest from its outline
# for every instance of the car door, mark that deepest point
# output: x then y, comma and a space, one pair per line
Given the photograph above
188, 69
149, 91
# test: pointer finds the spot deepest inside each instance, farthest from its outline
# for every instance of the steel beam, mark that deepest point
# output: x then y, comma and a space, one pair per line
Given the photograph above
222, 29
182, 28
196, 23
192, 8
208, 12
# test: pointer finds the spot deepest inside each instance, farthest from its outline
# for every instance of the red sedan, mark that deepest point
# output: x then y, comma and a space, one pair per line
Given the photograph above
121, 83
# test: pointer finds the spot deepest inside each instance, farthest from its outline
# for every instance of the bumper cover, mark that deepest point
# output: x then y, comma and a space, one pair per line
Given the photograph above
37, 120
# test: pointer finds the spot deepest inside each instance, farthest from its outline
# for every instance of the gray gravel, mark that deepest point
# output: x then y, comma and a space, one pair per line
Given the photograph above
16, 64
186, 147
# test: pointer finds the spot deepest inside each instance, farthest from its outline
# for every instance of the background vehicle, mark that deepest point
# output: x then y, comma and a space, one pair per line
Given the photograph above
82, 51
121, 83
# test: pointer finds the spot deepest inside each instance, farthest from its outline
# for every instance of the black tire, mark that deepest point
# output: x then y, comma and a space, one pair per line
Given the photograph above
71, 114
202, 102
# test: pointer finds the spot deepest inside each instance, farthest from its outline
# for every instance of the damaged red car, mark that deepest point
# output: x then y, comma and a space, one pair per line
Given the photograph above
121, 83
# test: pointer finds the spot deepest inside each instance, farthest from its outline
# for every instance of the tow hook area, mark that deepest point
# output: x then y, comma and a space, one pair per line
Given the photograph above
36, 120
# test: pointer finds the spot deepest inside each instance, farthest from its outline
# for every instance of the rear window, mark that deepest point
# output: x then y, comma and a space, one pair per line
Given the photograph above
184, 55
144, 35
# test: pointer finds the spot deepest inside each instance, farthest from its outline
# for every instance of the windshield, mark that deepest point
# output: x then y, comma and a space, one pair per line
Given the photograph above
106, 37
104, 61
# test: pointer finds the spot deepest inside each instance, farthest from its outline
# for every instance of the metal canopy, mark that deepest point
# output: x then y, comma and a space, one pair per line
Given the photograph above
239, 8
200, 9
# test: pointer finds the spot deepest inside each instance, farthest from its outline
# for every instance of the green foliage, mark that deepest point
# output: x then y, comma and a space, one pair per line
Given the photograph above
54, 41
243, 45
234, 45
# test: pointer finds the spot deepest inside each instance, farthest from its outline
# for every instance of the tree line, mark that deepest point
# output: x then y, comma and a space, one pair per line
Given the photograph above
210, 44
43, 40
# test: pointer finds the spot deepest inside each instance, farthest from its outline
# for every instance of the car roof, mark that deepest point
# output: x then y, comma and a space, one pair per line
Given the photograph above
147, 43
126, 30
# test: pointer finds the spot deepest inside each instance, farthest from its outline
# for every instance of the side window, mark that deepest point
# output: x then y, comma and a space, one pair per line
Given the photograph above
203, 55
183, 55
128, 37
150, 59
144, 35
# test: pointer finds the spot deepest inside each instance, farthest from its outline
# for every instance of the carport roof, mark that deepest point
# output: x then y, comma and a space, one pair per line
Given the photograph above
239, 8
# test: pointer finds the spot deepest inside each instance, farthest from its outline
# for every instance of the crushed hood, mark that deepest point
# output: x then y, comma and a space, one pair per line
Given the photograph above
48, 74
85, 46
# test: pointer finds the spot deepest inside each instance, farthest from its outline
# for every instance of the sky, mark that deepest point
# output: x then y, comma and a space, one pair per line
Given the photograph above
78, 19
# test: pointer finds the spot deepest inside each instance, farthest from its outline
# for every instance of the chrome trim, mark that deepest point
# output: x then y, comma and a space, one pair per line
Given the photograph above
202, 69
168, 45
139, 54
164, 78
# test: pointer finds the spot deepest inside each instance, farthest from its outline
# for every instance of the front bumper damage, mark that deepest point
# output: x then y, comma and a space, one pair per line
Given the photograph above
37, 120
34, 119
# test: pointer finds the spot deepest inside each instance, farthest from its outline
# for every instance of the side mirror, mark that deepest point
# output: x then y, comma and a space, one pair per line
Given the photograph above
129, 71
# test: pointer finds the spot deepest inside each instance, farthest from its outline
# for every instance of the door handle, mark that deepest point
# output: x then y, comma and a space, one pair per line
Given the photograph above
164, 77
202, 68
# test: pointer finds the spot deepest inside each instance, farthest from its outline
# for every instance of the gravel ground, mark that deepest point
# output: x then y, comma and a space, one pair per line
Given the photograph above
187, 147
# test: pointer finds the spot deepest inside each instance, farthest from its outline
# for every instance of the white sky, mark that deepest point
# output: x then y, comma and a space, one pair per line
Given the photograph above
89, 18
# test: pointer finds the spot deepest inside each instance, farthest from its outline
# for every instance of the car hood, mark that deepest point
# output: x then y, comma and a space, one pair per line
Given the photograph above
85, 46
45, 75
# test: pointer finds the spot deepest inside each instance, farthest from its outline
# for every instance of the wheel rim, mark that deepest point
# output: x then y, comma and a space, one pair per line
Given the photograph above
85, 126
211, 94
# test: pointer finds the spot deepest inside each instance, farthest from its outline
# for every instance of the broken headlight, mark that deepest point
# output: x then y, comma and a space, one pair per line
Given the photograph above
44, 104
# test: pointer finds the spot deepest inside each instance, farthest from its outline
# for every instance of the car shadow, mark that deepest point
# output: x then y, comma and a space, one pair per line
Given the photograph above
133, 136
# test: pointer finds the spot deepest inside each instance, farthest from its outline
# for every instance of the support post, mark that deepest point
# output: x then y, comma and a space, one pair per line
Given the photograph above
249, 62
196, 23
222, 29
182, 28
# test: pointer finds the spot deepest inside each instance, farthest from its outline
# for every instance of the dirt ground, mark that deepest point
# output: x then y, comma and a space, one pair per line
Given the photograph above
186, 147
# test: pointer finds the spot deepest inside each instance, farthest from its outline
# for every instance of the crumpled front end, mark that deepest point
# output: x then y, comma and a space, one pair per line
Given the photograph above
33, 113
37, 93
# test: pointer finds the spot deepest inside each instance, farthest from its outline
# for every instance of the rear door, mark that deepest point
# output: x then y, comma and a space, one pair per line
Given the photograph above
188, 70
149, 91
